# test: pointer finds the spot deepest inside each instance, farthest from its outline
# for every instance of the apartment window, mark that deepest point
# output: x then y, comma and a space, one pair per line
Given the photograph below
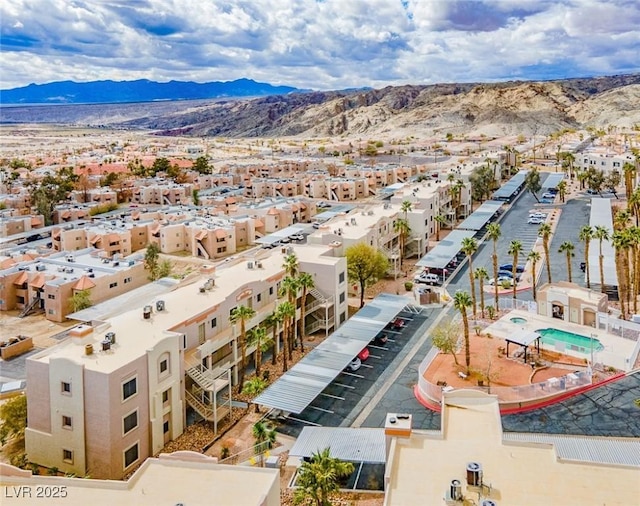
343, 317
127, 280
65, 387
165, 396
258, 297
270, 290
342, 297
214, 323
164, 365
131, 455
113, 285
165, 427
51, 296
130, 422
67, 456
129, 388
341, 277
66, 422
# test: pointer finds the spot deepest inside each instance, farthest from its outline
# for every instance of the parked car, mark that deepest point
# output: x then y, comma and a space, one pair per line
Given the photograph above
354, 365
285, 240
429, 279
297, 237
379, 339
501, 280
535, 221
583, 266
591, 191
538, 214
509, 268
548, 195
397, 324
508, 274
364, 354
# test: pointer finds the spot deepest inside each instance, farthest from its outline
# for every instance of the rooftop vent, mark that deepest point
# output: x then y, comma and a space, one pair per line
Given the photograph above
88, 349
249, 265
455, 490
160, 305
106, 345
474, 474
489, 502
146, 312
111, 337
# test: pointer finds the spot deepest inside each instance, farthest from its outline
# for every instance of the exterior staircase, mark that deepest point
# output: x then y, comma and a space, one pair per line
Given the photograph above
29, 307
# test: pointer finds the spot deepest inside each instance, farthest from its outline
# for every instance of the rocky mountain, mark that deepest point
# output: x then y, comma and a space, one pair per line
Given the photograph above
492, 109
142, 90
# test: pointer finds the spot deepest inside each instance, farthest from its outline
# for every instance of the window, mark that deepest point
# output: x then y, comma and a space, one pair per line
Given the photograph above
214, 323
66, 422
127, 280
113, 285
129, 388
342, 297
258, 297
341, 278
165, 396
67, 456
343, 317
130, 421
51, 296
165, 427
131, 455
65, 387
271, 290
164, 365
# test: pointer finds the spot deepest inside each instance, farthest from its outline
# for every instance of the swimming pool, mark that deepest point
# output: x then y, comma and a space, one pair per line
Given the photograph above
518, 320
573, 342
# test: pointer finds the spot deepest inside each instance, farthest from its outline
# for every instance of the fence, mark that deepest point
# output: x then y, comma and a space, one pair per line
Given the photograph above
509, 303
252, 455
621, 328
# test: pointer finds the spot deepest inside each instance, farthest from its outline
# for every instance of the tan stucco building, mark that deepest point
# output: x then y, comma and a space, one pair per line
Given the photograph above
571, 302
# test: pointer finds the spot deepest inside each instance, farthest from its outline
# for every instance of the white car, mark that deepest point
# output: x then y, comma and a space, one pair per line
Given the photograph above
354, 365
297, 237
538, 214
535, 221
428, 279
502, 280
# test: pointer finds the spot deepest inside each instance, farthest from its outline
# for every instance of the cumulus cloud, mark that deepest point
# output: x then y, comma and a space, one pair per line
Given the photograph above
318, 44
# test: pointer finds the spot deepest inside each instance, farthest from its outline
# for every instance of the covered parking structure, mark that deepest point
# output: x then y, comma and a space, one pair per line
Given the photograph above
298, 387
481, 216
511, 188
446, 250
552, 181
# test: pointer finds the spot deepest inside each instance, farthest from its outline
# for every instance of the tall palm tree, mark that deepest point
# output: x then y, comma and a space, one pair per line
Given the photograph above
545, 232
289, 287
481, 275
634, 264
264, 437
258, 336
494, 233
586, 234
286, 312
439, 219
469, 247
515, 249
602, 234
562, 190
291, 265
629, 171
534, 258
242, 314
620, 241
633, 205
272, 321
254, 387
406, 207
402, 228
462, 301
306, 283
567, 248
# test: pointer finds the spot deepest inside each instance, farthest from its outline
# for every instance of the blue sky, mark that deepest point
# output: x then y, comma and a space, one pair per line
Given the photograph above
317, 44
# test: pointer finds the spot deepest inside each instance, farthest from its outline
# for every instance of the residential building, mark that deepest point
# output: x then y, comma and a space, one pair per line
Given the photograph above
12, 224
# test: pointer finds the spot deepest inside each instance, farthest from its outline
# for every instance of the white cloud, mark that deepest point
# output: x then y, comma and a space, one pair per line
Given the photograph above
316, 44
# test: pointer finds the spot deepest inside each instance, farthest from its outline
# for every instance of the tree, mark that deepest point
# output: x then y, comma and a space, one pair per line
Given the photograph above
532, 183
195, 197
151, 260
629, 172
567, 248
620, 241
515, 249
493, 233
612, 181
291, 265
264, 436
402, 228
602, 234
406, 207
469, 246
164, 269
439, 219
534, 258
254, 387
562, 190
462, 301
201, 165
481, 275
258, 337
445, 337
242, 314
306, 283
286, 312
159, 165
50, 191
545, 232
365, 265
273, 321
482, 183
319, 478
586, 234
80, 300
289, 287
13, 414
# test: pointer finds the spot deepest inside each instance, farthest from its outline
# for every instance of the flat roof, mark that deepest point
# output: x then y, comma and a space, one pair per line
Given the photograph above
601, 216
553, 179
507, 190
300, 385
446, 250
344, 443
481, 216
523, 337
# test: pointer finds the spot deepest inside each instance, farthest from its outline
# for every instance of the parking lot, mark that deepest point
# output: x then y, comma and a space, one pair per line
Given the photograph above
334, 405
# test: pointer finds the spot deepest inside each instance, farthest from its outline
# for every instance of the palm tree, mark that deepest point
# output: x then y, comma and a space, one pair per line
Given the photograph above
515, 248
586, 234
291, 265
287, 312
319, 478
289, 287
402, 228
306, 283
273, 320
493, 233
254, 387
633, 205
439, 219
481, 275
242, 314
461, 301
406, 207
567, 248
545, 232
629, 171
469, 247
534, 258
620, 241
562, 190
264, 436
602, 234
258, 336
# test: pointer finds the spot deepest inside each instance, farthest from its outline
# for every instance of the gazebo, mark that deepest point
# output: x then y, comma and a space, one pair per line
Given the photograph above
524, 338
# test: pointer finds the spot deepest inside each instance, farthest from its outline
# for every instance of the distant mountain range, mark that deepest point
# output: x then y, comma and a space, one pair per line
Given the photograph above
143, 90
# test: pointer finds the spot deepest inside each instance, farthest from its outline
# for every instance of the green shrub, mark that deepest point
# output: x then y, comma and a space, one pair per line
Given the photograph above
408, 286
102, 208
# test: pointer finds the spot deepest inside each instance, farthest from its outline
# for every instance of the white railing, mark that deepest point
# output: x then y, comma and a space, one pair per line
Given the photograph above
509, 303
621, 328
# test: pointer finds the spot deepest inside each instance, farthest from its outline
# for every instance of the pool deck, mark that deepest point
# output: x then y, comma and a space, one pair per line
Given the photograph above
616, 349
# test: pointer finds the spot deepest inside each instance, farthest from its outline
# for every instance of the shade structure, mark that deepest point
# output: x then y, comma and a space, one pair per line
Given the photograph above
298, 387
344, 443
552, 180
481, 216
446, 250
512, 187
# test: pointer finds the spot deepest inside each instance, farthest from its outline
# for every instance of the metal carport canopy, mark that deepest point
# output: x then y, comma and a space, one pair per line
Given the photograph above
507, 190
480, 217
553, 179
298, 387
344, 443
445, 250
